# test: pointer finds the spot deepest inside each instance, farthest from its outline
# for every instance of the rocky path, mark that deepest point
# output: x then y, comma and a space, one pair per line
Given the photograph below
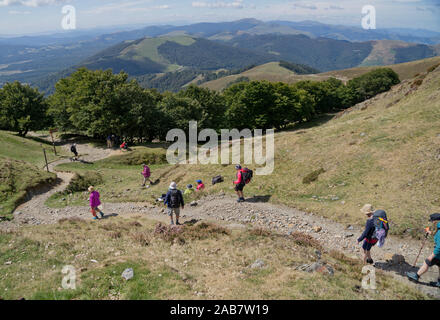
395, 258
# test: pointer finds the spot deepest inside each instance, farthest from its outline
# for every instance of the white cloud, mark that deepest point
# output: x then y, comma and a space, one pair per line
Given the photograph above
238, 4
30, 3
18, 12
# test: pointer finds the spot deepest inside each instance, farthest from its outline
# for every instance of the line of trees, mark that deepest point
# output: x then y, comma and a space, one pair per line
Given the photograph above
100, 103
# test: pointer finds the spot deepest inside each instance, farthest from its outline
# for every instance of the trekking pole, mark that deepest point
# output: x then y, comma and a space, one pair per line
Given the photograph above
423, 245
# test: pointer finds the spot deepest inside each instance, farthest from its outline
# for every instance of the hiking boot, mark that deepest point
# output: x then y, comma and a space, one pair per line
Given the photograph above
102, 215
95, 218
172, 223
178, 223
370, 261
413, 276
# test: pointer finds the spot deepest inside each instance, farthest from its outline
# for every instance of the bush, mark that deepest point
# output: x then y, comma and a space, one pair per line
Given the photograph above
81, 182
430, 69
306, 240
313, 176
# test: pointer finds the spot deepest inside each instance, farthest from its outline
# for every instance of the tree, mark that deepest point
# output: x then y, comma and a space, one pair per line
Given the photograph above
212, 106
22, 108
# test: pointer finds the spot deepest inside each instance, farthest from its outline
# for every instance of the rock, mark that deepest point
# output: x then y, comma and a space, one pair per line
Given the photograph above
317, 267
8, 263
18, 213
349, 235
94, 261
128, 274
350, 227
258, 264
193, 204
363, 134
317, 229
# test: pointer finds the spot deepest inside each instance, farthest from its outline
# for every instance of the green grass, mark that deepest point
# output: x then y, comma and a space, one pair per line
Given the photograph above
26, 149
16, 179
216, 265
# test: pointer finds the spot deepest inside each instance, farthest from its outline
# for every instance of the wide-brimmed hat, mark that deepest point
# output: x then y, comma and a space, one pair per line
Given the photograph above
91, 189
173, 185
367, 209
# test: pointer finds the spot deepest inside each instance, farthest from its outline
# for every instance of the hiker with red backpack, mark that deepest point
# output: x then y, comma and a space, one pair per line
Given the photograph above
376, 230
174, 201
244, 176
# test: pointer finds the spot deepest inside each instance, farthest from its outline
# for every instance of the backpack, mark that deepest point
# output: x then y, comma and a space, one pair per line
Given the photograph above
217, 179
174, 198
381, 225
246, 175
435, 217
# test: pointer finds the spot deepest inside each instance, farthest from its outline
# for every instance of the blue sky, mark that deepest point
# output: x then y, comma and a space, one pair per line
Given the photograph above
34, 16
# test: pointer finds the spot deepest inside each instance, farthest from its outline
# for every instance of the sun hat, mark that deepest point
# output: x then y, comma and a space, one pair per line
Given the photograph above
91, 188
367, 209
199, 181
173, 185
189, 186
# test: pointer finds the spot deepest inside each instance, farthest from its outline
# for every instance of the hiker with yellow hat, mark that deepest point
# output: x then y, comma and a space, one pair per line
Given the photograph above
368, 234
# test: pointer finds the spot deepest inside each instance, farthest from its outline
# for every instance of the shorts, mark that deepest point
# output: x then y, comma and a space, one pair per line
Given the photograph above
176, 211
434, 262
369, 244
239, 187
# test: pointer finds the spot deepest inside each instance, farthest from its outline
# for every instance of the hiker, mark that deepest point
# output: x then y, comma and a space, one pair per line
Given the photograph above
74, 151
434, 258
95, 203
368, 234
146, 173
239, 183
174, 200
109, 141
200, 185
189, 190
124, 146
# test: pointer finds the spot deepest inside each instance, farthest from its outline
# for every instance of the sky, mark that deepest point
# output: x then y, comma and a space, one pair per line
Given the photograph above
38, 16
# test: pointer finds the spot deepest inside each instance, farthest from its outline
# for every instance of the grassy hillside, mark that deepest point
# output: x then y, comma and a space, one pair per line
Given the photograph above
273, 72
384, 152
202, 261
169, 53
17, 178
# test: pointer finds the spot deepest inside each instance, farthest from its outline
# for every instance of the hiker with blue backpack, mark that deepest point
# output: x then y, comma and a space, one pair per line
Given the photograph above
376, 230
244, 176
434, 258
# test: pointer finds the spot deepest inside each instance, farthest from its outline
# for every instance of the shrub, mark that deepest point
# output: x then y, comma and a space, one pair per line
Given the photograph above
81, 182
313, 176
143, 238
432, 68
139, 157
306, 240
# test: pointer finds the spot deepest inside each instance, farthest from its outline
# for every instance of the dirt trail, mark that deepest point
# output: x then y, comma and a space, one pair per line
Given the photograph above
256, 212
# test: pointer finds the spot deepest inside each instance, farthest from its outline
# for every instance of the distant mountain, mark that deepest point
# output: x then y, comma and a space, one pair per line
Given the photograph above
328, 54
30, 59
357, 34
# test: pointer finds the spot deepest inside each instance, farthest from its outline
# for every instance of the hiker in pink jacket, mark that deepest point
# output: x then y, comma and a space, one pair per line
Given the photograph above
146, 173
95, 203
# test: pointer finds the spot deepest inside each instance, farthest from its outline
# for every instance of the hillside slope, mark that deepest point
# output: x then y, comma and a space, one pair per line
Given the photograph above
274, 72
385, 151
